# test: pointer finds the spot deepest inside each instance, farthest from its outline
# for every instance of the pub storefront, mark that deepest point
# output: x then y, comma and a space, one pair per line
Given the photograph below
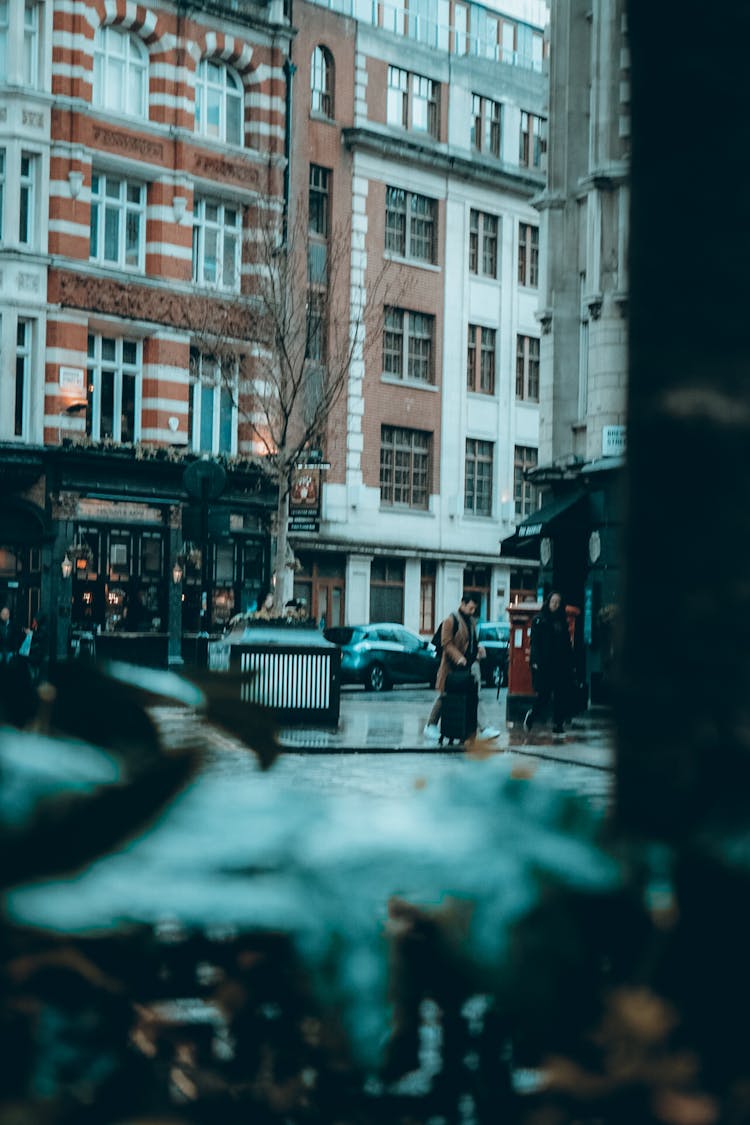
106, 553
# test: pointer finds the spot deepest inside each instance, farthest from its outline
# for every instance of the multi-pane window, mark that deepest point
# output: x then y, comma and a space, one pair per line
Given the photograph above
212, 419
485, 125
532, 152
31, 43
528, 255
483, 230
524, 492
408, 345
24, 330
404, 466
216, 244
120, 72
412, 101
480, 359
321, 81
410, 222
478, 485
319, 201
117, 221
26, 199
527, 368
113, 389
316, 330
218, 102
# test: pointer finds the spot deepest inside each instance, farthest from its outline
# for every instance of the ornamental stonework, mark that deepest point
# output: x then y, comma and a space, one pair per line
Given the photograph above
126, 142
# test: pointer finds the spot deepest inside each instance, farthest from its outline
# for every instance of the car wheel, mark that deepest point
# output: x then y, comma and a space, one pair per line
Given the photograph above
376, 678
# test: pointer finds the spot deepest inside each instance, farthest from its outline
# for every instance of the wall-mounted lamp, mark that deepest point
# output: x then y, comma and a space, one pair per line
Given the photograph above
66, 566
75, 180
179, 207
177, 572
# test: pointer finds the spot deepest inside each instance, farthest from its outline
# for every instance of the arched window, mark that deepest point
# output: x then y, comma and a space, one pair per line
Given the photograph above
321, 82
120, 72
218, 102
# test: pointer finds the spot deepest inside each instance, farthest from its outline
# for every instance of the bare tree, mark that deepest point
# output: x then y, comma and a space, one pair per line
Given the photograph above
286, 350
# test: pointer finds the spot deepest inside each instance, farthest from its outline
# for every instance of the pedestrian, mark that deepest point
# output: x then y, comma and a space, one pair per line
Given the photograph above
552, 665
39, 650
459, 649
265, 611
10, 640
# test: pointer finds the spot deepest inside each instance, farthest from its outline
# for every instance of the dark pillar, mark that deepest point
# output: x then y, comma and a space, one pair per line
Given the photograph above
61, 593
684, 757
174, 609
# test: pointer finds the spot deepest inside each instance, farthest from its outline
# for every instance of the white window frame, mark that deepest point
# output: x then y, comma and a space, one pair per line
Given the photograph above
321, 82
213, 381
226, 87
102, 204
25, 352
3, 169
95, 365
27, 186
4, 36
202, 224
31, 44
120, 78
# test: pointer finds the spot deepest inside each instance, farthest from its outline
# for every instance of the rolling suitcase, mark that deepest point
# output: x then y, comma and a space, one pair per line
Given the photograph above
458, 712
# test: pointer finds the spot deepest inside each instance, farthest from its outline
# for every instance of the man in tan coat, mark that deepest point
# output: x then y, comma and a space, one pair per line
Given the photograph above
458, 639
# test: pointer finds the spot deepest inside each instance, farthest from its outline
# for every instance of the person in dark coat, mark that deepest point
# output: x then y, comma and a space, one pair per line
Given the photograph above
10, 638
552, 666
39, 651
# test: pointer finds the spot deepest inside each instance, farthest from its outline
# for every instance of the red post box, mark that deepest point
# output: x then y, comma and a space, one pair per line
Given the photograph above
521, 693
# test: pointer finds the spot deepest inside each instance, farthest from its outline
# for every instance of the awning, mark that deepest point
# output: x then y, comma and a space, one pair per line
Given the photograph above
524, 542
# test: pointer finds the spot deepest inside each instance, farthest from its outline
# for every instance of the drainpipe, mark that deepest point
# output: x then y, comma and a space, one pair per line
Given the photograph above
289, 70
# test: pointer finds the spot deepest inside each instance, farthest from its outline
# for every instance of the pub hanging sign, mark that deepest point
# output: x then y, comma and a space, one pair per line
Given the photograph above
304, 499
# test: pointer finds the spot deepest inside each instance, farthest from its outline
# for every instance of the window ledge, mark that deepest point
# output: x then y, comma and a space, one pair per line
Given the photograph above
484, 278
482, 394
405, 510
323, 118
389, 256
413, 384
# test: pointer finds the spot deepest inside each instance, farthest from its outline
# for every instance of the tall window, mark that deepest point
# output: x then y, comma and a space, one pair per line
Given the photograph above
478, 490
120, 72
528, 255
412, 102
532, 151
410, 222
483, 244
24, 330
218, 102
408, 345
118, 219
480, 359
31, 43
2, 193
524, 492
4, 20
212, 420
527, 368
319, 201
404, 466
113, 379
321, 80
216, 244
387, 593
485, 125
26, 201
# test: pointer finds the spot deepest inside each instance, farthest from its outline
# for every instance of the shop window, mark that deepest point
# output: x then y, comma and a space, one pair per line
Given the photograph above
387, 590
224, 564
119, 554
152, 554
477, 581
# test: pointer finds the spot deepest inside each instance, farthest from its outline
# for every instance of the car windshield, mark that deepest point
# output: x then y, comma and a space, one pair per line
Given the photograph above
342, 635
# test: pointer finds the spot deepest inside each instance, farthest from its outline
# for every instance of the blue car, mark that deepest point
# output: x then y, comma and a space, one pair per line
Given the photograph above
383, 654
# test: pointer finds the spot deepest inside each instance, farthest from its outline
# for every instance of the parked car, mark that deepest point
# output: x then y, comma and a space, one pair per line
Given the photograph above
383, 654
495, 636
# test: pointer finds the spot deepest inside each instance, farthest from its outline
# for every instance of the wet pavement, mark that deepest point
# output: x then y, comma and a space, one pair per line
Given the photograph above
378, 748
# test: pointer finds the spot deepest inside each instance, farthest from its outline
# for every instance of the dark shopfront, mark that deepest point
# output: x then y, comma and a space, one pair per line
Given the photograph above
576, 536
99, 542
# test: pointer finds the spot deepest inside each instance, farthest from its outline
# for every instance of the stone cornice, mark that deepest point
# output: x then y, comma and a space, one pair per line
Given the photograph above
435, 158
